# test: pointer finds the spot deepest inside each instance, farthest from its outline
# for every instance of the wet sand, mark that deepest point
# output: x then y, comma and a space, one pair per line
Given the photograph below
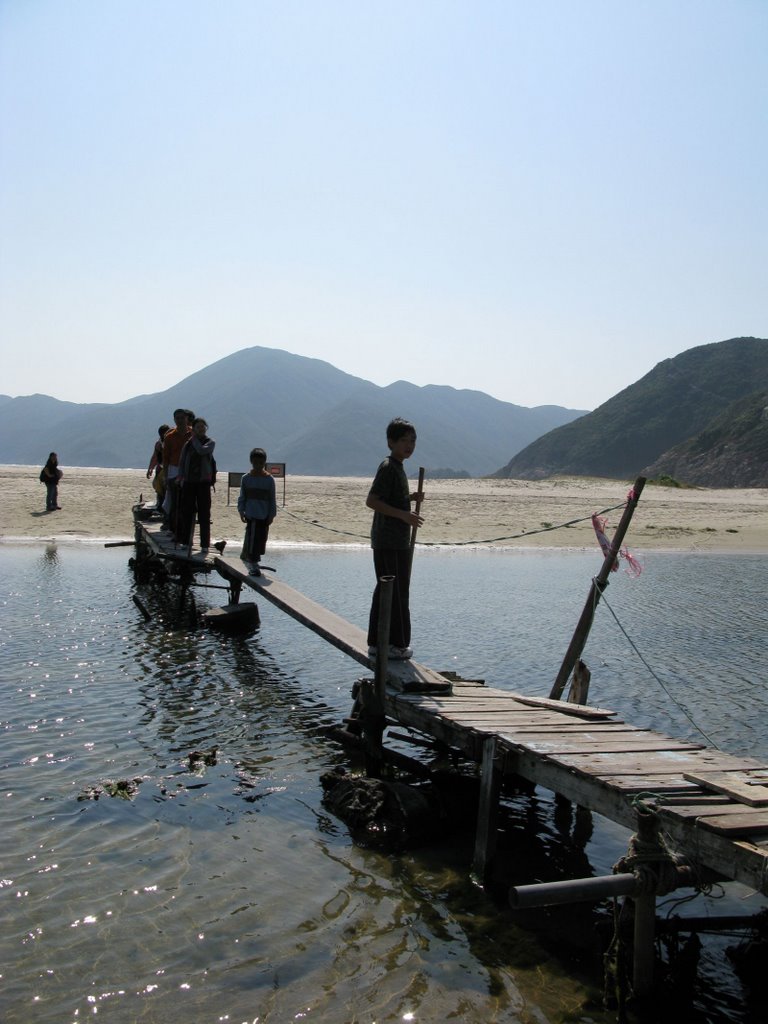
96, 506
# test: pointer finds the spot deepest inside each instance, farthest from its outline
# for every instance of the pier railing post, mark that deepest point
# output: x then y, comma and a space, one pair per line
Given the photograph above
599, 583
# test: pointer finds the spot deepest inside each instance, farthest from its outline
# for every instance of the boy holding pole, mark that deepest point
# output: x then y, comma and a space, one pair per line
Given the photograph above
390, 500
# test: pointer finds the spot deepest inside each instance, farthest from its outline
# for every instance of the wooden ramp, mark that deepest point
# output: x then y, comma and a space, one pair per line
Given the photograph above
713, 806
351, 640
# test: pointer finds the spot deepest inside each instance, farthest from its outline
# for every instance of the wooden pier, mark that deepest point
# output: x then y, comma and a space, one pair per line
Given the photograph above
712, 806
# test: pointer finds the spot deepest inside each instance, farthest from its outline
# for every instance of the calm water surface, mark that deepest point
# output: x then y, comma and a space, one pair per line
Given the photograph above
225, 892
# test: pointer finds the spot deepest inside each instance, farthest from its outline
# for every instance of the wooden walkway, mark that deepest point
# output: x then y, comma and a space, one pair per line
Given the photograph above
713, 806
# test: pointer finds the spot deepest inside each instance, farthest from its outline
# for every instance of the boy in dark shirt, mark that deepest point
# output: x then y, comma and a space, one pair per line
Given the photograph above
390, 500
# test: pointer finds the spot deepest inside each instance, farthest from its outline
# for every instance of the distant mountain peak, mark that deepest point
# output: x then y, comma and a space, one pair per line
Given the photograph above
304, 411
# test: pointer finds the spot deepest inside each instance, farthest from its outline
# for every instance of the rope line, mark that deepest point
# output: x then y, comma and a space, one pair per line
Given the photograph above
676, 702
459, 543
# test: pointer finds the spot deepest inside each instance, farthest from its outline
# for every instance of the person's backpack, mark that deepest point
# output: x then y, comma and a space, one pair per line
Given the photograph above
43, 477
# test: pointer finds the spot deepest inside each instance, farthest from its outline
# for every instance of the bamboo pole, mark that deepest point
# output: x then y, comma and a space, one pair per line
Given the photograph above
419, 499
599, 583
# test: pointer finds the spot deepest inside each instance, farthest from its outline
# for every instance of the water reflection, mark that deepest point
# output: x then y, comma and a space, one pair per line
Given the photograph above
49, 558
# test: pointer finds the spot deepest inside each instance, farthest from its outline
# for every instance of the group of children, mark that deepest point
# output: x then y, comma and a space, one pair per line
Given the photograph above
185, 471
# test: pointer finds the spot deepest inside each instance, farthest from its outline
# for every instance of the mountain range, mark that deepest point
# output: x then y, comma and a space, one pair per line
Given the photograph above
315, 418
700, 418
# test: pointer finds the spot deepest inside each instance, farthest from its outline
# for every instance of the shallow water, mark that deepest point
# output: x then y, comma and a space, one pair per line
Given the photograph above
226, 891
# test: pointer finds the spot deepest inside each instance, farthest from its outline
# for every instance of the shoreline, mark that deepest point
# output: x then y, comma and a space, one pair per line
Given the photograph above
474, 514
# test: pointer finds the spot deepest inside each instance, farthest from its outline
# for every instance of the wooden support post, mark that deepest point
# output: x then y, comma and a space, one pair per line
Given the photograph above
599, 583
644, 900
643, 943
579, 691
382, 637
487, 811
372, 720
372, 695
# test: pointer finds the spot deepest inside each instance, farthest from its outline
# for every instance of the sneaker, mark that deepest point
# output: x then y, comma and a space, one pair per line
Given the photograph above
371, 652
400, 653
254, 571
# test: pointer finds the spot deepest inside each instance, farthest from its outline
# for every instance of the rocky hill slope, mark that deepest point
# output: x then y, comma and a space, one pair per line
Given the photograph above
695, 395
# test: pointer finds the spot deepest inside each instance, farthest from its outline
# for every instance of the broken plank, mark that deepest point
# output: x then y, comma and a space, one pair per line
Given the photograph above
744, 824
734, 784
583, 710
666, 784
715, 809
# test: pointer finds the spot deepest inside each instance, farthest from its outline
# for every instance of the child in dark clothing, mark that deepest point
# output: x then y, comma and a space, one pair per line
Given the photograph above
257, 507
50, 476
390, 499
197, 475
155, 470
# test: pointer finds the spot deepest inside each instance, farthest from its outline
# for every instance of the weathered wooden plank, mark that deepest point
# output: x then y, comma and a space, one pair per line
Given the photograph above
737, 785
580, 710
493, 707
664, 784
716, 809
505, 702
510, 723
660, 763
520, 713
736, 824
597, 743
469, 691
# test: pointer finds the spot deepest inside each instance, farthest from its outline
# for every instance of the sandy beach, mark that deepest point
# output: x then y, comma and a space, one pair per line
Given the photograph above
96, 506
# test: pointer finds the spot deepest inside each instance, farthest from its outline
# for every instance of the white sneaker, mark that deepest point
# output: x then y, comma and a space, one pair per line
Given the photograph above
400, 653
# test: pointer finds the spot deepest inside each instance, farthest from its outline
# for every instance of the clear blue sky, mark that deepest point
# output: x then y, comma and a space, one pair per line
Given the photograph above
539, 199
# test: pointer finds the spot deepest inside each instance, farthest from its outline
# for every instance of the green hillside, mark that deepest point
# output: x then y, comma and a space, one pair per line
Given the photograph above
675, 402
732, 451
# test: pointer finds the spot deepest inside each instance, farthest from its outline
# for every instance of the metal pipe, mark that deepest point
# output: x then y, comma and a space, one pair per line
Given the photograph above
577, 890
583, 890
